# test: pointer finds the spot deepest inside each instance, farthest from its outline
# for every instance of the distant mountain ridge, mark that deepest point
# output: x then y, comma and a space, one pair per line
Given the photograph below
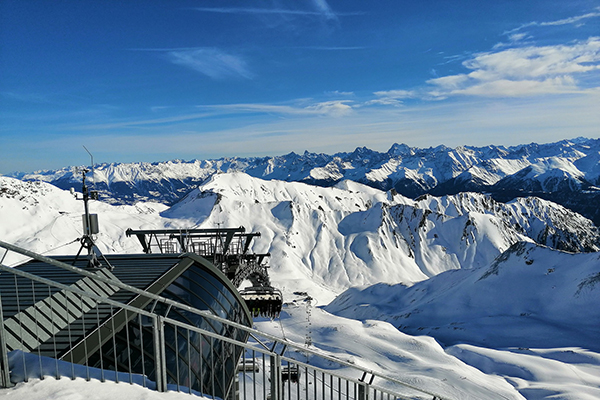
566, 172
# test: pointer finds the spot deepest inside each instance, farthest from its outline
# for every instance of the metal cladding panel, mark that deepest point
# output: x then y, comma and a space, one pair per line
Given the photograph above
71, 327
36, 314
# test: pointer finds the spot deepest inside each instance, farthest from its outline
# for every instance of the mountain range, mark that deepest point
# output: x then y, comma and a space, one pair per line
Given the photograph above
565, 172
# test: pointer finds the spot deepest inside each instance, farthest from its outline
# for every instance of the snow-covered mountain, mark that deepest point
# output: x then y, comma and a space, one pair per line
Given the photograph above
476, 274
566, 172
524, 298
335, 237
543, 221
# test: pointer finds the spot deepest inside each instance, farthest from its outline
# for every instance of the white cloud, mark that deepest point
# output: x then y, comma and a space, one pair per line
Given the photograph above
450, 82
478, 121
515, 37
211, 62
332, 108
565, 21
523, 71
508, 88
335, 108
320, 9
250, 10
324, 9
538, 61
390, 97
384, 101
395, 94
572, 20
339, 93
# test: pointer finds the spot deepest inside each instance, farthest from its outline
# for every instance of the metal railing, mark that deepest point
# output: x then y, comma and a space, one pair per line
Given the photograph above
163, 353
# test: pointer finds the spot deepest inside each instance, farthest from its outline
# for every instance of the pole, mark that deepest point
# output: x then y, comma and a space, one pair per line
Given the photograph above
4, 369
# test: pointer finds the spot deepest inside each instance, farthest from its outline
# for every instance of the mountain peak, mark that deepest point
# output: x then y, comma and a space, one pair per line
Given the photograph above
400, 150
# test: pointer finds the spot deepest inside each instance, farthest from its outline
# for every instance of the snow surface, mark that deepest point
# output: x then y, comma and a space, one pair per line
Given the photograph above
531, 296
79, 389
502, 315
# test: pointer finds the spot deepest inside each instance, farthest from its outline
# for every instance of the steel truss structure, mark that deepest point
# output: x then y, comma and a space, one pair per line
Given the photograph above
229, 250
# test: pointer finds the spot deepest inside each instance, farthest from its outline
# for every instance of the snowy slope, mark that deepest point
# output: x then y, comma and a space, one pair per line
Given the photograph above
530, 317
45, 219
591, 165
545, 373
379, 346
531, 296
552, 174
543, 221
352, 234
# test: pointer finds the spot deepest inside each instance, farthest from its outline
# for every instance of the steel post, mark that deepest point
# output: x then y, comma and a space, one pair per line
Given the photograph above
276, 384
4, 369
160, 367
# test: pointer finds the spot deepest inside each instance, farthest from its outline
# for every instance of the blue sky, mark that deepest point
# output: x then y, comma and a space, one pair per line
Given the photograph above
158, 80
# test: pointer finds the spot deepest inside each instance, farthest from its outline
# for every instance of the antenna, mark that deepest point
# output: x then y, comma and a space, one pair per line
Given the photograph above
93, 172
90, 224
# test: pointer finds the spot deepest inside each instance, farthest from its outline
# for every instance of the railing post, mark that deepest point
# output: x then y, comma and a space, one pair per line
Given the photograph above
4, 370
363, 386
363, 391
160, 367
276, 383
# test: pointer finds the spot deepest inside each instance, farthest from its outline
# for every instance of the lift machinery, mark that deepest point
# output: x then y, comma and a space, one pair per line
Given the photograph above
229, 250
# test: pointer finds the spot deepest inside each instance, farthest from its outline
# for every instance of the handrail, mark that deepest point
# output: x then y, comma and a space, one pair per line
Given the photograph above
130, 231
251, 331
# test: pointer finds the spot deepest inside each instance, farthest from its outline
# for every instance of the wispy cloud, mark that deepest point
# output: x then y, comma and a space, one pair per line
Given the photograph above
144, 122
324, 9
525, 71
302, 108
211, 62
331, 108
482, 122
391, 97
251, 10
565, 21
339, 93
517, 37
333, 48
320, 8
514, 39
335, 108
455, 58
26, 97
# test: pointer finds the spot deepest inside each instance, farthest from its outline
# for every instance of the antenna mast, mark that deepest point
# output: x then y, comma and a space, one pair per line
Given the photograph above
93, 172
90, 223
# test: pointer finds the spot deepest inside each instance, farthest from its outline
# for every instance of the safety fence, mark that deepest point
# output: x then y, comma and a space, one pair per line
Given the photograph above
53, 329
